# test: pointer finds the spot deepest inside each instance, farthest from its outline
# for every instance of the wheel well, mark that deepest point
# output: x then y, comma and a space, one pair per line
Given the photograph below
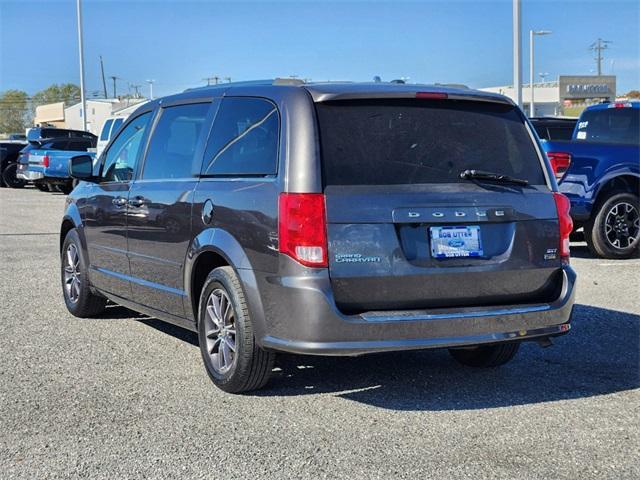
206, 262
622, 183
67, 226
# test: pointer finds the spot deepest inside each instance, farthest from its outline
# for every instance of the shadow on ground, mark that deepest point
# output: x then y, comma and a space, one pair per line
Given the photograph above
599, 356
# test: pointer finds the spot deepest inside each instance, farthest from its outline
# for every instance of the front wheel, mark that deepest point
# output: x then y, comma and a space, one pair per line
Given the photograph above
78, 297
233, 360
485, 355
614, 231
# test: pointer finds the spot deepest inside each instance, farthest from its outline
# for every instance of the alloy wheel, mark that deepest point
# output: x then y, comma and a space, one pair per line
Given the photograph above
72, 273
220, 331
622, 225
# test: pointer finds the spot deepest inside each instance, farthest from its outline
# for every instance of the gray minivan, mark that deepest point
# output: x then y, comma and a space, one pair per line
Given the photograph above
325, 219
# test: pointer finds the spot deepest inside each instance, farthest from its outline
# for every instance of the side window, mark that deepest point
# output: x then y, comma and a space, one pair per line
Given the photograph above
244, 139
120, 160
104, 135
117, 123
173, 142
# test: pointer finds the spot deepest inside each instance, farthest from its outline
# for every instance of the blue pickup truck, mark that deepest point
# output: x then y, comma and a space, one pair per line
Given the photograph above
45, 161
599, 170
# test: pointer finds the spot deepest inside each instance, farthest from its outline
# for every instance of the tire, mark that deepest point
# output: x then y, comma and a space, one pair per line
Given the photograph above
486, 356
66, 188
614, 231
249, 367
82, 302
9, 178
43, 187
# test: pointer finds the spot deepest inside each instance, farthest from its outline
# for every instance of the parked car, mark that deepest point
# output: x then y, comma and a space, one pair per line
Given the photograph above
45, 162
9, 151
109, 128
42, 133
324, 219
554, 128
599, 171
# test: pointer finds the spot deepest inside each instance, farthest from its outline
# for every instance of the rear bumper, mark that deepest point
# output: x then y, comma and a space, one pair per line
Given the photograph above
29, 175
303, 319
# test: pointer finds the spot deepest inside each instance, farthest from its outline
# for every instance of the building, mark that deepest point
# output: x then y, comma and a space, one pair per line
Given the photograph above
567, 96
51, 114
98, 110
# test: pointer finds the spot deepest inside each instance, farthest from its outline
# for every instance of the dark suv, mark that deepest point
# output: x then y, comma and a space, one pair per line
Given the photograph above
327, 219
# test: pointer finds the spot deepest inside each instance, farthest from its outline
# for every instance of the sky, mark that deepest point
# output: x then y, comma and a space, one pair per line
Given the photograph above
180, 43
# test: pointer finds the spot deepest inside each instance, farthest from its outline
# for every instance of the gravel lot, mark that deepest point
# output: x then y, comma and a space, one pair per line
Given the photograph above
126, 396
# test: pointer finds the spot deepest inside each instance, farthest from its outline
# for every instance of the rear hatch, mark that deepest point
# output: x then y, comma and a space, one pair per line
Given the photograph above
405, 231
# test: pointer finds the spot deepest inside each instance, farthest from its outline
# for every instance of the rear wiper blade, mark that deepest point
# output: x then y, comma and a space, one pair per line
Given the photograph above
494, 177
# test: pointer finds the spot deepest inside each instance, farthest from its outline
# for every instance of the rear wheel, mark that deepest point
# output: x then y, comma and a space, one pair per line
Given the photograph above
80, 300
233, 360
614, 231
486, 355
9, 178
43, 187
66, 188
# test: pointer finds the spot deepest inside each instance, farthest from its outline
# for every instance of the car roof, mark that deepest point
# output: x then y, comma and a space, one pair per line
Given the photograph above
325, 91
604, 106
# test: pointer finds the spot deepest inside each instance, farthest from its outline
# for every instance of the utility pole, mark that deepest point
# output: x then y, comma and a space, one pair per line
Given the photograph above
150, 82
114, 78
517, 52
532, 35
136, 89
104, 83
598, 47
81, 52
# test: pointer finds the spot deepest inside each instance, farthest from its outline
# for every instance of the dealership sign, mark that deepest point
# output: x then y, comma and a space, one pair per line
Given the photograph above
598, 88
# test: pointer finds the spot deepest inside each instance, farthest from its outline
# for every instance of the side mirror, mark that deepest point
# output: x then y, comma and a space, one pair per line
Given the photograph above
81, 167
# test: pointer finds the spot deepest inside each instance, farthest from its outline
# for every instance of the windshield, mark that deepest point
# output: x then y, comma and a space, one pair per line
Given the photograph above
404, 141
613, 125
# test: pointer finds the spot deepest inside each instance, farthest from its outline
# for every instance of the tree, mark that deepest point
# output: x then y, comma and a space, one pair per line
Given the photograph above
65, 92
633, 94
14, 111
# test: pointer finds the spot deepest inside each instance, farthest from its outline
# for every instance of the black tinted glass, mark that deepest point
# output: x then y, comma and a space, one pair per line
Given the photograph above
244, 139
613, 125
78, 146
560, 133
391, 142
174, 141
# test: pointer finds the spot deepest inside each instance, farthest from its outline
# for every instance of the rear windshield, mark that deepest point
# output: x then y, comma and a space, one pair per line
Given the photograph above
395, 142
613, 125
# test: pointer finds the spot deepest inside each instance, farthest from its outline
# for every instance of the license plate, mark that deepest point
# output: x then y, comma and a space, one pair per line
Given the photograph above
460, 241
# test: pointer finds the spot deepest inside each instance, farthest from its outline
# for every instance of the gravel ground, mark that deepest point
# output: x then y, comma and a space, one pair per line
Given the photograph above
126, 396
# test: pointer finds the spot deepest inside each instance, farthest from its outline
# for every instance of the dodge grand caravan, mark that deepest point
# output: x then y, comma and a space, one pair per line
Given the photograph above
325, 219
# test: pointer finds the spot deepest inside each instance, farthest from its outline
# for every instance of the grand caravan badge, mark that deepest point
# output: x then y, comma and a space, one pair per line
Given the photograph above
355, 258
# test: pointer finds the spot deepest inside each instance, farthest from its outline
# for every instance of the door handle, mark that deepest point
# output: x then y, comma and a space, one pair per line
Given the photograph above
119, 201
136, 201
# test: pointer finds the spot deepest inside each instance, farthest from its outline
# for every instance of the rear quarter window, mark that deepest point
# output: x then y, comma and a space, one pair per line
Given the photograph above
244, 139
395, 142
611, 125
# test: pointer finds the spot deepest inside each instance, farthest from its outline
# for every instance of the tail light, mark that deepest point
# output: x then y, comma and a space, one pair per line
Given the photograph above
566, 224
560, 162
302, 228
432, 95
45, 161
